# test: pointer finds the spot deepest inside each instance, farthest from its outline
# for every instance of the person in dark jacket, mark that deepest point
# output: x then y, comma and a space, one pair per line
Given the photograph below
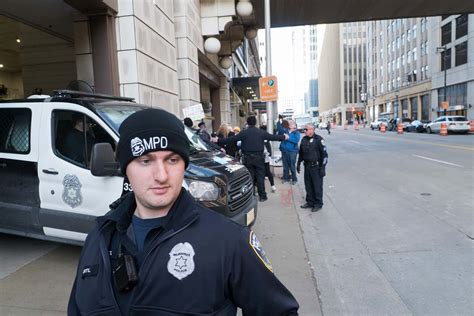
74, 141
205, 138
252, 151
159, 252
315, 157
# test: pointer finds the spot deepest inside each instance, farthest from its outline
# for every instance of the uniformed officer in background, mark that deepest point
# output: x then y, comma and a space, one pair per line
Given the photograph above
253, 140
315, 157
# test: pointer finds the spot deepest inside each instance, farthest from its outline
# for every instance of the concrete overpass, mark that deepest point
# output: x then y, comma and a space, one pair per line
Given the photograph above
307, 12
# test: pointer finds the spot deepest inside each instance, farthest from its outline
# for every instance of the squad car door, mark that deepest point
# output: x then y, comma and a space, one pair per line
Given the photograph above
71, 197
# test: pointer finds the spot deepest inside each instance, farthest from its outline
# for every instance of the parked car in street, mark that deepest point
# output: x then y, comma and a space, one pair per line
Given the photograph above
418, 126
455, 124
376, 124
323, 125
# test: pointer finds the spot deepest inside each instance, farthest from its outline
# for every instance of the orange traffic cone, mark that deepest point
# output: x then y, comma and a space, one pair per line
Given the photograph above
400, 128
444, 130
382, 127
356, 126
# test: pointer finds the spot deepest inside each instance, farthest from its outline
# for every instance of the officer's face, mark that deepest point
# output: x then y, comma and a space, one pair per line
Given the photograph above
309, 131
156, 179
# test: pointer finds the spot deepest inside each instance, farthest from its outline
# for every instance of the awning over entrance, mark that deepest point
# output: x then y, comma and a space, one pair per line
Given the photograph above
308, 12
246, 87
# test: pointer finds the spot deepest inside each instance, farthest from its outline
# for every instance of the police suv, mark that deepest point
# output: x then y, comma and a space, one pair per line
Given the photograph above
58, 171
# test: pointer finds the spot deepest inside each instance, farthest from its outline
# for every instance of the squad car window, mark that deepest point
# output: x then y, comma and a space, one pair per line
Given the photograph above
75, 134
15, 130
115, 114
195, 141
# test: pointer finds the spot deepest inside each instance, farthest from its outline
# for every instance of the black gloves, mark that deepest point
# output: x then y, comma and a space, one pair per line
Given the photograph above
322, 171
298, 168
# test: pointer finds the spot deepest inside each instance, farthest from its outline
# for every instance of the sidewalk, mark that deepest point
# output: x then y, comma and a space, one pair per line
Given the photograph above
278, 229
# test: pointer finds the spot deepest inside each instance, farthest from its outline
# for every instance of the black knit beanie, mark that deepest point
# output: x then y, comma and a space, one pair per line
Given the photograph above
151, 130
251, 120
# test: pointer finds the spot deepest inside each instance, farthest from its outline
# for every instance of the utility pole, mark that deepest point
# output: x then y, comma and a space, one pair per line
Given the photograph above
443, 49
268, 53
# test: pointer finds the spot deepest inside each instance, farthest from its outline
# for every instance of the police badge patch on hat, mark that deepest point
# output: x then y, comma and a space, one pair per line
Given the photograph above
257, 247
322, 142
181, 263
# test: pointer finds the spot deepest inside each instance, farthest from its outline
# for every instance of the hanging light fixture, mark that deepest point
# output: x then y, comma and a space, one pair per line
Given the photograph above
244, 8
212, 45
251, 33
226, 62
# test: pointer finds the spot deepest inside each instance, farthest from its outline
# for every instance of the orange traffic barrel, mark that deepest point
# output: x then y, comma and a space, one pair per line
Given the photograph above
382, 127
356, 126
400, 128
471, 126
444, 130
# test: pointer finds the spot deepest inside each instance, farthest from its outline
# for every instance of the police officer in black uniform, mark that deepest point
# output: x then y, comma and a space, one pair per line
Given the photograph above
159, 252
253, 142
315, 157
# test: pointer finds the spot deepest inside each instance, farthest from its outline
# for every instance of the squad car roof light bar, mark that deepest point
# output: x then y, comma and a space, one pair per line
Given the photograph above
81, 94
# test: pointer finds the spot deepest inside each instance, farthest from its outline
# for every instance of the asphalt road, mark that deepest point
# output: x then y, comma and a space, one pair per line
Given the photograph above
396, 233
395, 236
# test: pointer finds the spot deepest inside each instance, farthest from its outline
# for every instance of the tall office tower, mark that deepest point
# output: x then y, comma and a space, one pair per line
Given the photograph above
342, 71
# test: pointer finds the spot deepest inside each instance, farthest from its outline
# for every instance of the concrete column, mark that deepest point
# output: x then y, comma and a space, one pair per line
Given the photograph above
83, 49
104, 49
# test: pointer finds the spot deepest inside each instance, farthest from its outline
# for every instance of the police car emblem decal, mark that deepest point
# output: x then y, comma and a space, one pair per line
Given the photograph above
137, 147
72, 191
257, 247
181, 263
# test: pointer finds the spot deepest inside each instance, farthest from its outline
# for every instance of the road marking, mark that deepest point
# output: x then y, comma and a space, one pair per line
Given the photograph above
440, 161
419, 142
353, 141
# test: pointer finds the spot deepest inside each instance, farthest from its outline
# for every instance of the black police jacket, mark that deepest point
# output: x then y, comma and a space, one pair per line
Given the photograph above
252, 139
201, 264
313, 149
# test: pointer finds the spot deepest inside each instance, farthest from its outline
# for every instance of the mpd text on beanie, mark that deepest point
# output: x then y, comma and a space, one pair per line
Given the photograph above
151, 130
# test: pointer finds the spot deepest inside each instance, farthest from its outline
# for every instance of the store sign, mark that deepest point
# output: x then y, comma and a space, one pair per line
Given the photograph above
194, 112
268, 88
445, 105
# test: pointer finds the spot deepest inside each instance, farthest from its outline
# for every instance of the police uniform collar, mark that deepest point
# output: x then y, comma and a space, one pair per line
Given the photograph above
182, 211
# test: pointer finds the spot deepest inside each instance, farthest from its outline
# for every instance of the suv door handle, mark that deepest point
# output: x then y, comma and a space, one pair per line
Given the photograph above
50, 171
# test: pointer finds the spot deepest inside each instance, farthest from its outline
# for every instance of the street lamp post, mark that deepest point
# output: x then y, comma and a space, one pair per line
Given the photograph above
443, 49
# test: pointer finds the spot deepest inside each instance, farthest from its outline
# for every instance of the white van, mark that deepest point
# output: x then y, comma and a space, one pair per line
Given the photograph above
49, 192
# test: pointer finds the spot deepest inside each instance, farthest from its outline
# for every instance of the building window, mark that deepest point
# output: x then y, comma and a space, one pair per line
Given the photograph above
446, 34
461, 25
414, 54
404, 108
456, 94
445, 16
409, 35
403, 60
461, 54
414, 31
425, 107
414, 108
446, 59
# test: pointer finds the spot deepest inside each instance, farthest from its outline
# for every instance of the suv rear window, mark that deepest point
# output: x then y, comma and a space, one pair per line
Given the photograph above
15, 127
457, 119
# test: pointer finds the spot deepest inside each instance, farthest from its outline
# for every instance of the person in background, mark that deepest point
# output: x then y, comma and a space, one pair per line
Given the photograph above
289, 150
252, 150
267, 151
328, 127
202, 132
189, 123
315, 157
74, 141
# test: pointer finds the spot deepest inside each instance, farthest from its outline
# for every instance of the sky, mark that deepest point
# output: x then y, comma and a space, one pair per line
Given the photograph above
284, 65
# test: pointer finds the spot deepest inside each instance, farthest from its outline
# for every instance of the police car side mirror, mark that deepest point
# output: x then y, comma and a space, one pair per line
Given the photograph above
103, 161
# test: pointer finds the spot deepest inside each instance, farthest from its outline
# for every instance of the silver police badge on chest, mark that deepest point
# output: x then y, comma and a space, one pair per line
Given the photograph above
181, 263
72, 191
